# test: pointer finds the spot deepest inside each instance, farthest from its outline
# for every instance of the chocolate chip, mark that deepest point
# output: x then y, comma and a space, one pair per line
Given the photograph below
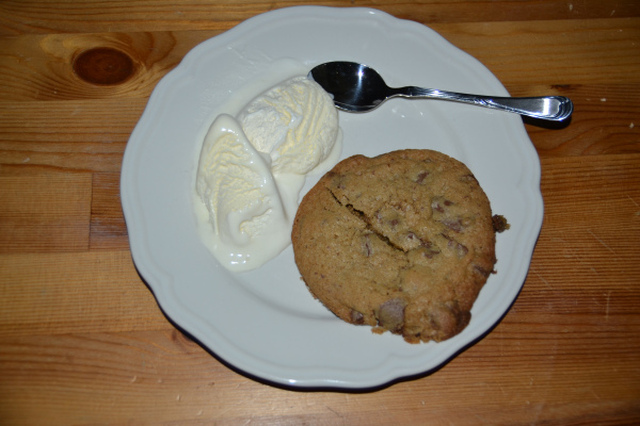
453, 224
448, 320
461, 249
357, 317
482, 270
390, 314
422, 176
439, 203
429, 252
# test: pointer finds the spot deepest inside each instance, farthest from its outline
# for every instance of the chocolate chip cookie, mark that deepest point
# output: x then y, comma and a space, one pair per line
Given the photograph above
402, 242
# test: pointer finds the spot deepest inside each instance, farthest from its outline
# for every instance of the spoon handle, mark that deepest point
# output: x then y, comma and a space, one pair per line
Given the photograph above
554, 108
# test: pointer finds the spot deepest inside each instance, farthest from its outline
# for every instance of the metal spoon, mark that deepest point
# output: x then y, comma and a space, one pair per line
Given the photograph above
358, 88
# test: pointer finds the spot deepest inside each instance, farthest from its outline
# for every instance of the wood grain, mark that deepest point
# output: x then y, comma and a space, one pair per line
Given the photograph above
82, 339
108, 228
45, 213
47, 60
47, 63
43, 295
51, 16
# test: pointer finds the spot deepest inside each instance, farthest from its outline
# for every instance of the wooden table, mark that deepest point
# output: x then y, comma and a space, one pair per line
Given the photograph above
82, 340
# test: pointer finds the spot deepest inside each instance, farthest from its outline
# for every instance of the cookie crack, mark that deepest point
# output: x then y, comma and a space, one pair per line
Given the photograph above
362, 216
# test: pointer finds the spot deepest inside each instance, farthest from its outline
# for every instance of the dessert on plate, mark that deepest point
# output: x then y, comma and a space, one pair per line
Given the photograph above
252, 167
402, 242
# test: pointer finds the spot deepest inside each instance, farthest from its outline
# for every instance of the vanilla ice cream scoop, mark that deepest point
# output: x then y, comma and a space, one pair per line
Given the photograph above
250, 221
294, 122
253, 166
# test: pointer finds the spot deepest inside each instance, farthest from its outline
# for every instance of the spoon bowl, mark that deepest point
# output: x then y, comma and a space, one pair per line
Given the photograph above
358, 88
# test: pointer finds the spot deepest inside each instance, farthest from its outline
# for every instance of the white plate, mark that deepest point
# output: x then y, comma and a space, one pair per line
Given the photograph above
265, 323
